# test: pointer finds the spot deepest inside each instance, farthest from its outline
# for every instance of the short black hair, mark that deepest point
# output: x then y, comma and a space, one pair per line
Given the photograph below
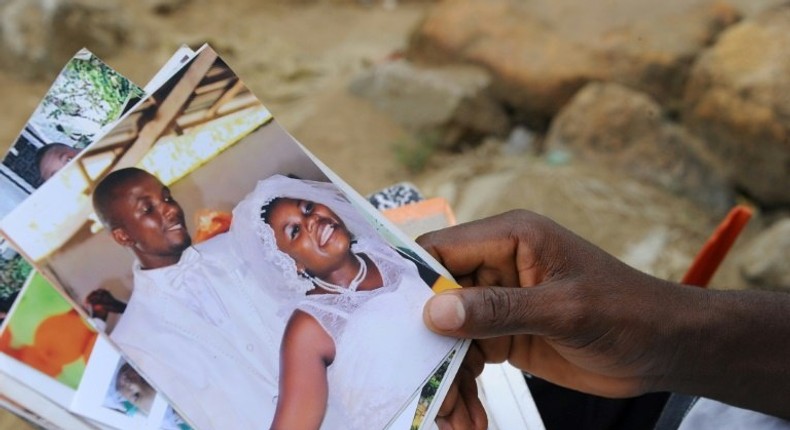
44, 150
266, 210
105, 193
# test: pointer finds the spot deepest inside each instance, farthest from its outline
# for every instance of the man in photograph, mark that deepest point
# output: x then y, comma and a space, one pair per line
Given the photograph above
53, 157
199, 324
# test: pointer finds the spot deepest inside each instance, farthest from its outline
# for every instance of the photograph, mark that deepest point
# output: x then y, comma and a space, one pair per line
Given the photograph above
226, 262
45, 342
115, 394
86, 97
14, 271
128, 392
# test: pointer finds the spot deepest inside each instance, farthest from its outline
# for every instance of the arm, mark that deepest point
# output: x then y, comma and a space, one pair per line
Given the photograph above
306, 351
568, 312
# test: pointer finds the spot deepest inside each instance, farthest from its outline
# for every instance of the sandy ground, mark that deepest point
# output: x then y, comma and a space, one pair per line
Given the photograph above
299, 58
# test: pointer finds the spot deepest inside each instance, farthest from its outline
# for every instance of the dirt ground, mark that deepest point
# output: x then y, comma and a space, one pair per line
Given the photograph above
297, 60
299, 57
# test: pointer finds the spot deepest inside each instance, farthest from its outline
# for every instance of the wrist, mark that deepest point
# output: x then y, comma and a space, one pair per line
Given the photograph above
691, 329
734, 349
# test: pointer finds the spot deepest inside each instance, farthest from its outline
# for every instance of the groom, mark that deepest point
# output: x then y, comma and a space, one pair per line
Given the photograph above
199, 325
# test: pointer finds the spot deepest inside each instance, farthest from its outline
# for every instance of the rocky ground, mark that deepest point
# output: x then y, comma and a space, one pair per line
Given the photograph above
300, 58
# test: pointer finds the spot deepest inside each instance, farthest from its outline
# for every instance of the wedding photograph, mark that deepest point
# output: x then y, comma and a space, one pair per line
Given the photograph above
46, 341
222, 261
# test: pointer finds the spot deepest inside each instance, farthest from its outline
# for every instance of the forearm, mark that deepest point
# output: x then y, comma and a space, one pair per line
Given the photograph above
302, 401
739, 351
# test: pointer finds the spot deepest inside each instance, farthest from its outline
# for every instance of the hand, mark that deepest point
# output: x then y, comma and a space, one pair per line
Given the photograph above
461, 408
565, 310
558, 307
101, 302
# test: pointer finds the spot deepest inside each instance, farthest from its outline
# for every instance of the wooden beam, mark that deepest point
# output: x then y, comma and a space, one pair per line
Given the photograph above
169, 108
231, 92
198, 118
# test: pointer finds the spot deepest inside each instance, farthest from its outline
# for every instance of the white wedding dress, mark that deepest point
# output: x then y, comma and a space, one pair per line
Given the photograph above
384, 353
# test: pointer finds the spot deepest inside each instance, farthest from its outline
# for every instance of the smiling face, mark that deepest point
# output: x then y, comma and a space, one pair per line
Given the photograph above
313, 235
149, 221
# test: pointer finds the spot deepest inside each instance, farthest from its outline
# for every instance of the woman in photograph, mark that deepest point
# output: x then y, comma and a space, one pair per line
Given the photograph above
355, 349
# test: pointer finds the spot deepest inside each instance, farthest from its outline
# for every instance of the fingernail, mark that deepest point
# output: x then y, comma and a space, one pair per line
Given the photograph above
446, 312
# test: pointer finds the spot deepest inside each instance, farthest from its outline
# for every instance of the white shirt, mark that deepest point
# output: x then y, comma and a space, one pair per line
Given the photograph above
710, 414
205, 333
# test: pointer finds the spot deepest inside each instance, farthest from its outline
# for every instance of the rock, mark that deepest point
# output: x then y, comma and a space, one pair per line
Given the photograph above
281, 72
624, 216
39, 36
751, 8
541, 53
453, 100
557, 157
765, 262
520, 141
736, 101
626, 129
645, 253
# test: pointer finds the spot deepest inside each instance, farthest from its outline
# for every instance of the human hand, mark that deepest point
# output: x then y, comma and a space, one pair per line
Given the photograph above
461, 408
556, 306
101, 302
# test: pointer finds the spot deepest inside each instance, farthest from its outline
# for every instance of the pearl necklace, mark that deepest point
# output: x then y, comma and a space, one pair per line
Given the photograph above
363, 272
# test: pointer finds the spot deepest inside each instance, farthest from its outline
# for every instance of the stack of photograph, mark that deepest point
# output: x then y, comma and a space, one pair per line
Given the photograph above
173, 258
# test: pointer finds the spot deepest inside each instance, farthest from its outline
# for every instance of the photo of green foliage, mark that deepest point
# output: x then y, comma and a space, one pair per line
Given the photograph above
86, 90
429, 391
13, 273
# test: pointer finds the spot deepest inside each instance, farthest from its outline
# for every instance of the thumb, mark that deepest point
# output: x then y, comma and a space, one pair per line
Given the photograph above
481, 312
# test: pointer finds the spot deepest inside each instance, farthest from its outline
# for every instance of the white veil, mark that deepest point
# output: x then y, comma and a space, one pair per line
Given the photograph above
254, 239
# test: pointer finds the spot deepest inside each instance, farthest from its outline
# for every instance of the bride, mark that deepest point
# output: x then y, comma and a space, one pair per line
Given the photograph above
355, 350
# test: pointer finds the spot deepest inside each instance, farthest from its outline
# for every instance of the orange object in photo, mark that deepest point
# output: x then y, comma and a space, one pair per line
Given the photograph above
211, 223
59, 341
421, 217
